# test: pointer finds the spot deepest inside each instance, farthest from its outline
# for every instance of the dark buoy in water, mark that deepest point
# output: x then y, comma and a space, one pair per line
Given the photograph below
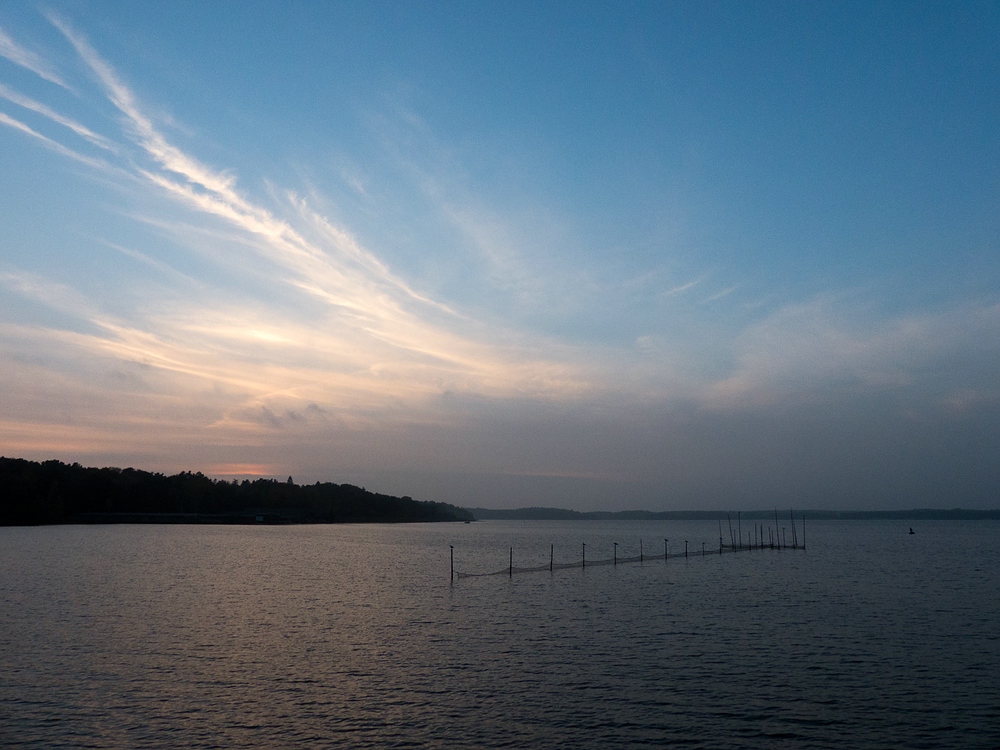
912, 531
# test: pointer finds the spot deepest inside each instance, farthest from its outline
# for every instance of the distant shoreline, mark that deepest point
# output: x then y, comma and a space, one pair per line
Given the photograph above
36, 493
561, 514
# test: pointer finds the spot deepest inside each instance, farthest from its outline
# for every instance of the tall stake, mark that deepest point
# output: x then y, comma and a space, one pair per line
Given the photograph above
640, 550
552, 552
776, 527
452, 561
585, 554
803, 531
510, 570
664, 550
739, 527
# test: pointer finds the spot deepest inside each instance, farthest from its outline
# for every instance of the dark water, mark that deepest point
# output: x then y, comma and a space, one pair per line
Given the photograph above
194, 636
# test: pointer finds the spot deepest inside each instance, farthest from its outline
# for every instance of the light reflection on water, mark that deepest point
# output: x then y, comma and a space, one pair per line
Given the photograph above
215, 636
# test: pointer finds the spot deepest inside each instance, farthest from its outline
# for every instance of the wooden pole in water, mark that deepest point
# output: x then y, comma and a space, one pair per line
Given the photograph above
640, 550
685, 548
616, 552
776, 527
664, 549
720, 536
803, 531
702, 549
739, 527
731, 540
452, 561
552, 553
585, 554
510, 570
795, 541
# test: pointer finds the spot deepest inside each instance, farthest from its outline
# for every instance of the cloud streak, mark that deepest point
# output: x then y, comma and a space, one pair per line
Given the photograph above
349, 279
35, 106
29, 60
10, 122
802, 350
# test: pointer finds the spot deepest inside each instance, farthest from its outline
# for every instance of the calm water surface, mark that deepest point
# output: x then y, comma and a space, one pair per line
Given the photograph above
318, 636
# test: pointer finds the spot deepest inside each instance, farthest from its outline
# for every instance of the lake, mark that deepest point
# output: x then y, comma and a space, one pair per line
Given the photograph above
276, 636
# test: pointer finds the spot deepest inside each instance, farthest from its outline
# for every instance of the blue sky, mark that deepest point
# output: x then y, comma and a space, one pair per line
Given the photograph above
594, 255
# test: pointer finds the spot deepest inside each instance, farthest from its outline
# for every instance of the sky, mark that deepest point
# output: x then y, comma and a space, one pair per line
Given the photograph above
601, 256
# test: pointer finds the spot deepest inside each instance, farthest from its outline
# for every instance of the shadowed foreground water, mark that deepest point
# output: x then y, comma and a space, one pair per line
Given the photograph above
195, 636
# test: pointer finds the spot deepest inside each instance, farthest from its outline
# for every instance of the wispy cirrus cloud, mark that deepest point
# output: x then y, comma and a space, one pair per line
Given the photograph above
804, 350
353, 342
29, 60
10, 122
680, 288
337, 270
170, 157
720, 294
36, 106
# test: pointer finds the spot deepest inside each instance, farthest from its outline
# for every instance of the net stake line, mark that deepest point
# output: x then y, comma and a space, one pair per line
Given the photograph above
457, 575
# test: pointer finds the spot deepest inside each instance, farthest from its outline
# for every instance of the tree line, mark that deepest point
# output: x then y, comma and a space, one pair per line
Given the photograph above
50, 492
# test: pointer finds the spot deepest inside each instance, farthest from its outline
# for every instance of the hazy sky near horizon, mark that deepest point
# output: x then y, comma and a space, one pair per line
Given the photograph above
593, 255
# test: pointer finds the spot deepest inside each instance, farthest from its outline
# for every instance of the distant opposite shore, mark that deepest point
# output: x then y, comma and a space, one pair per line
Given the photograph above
560, 514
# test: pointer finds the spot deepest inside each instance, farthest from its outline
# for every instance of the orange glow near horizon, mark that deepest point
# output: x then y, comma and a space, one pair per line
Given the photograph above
239, 470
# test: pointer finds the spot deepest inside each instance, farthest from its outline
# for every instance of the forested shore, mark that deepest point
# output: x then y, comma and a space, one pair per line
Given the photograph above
50, 492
